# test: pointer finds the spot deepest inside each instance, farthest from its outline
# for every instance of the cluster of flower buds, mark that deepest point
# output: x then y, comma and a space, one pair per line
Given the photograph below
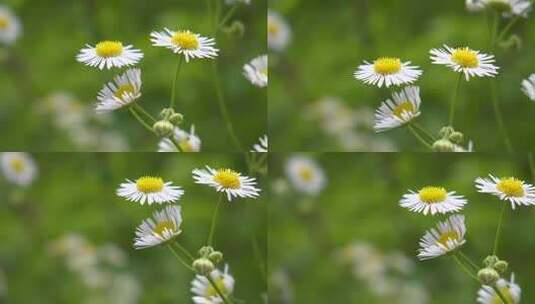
494, 268
169, 119
207, 261
448, 141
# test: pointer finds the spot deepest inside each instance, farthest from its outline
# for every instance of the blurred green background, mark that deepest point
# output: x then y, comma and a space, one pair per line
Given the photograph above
63, 201
43, 62
332, 38
360, 204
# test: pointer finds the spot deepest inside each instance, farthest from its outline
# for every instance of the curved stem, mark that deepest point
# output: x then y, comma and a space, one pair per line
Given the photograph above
507, 28
499, 293
221, 295
499, 229
177, 73
531, 165
423, 130
499, 117
454, 99
214, 220
420, 138
463, 267
179, 258
229, 15
140, 120
467, 259
144, 112
184, 251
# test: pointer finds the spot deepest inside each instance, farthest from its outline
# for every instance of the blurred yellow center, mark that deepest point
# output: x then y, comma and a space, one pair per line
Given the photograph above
306, 173
149, 184
465, 57
163, 226
273, 28
186, 40
403, 107
387, 65
109, 49
212, 292
447, 236
4, 23
511, 186
17, 164
432, 195
185, 146
125, 88
506, 294
264, 71
227, 179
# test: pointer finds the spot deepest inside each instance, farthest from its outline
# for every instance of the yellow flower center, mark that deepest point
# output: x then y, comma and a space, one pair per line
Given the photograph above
306, 173
125, 88
227, 179
212, 292
403, 107
465, 57
447, 236
506, 294
109, 49
4, 23
432, 195
163, 226
264, 71
511, 187
149, 184
17, 164
387, 65
273, 28
501, 5
185, 146
186, 40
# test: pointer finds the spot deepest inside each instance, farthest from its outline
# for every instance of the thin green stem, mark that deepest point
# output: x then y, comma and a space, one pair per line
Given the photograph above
140, 120
499, 229
507, 28
214, 220
179, 258
177, 73
531, 165
495, 26
423, 130
454, 99
184, 251
420, 138
226, 300
464, 268
499, 117
144, 112
229, 15
499, 293
469, 260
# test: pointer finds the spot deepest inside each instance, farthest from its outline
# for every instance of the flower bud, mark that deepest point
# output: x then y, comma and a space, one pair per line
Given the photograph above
176, 118
216, 257
501, 266
456, 137
490, 260
205, 251
203, 266
499, 5
236, 29
446, 131
443, 145
166, 113
163, 128
488, 276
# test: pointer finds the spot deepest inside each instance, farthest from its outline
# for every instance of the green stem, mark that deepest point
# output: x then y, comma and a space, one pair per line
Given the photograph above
177, 73
144, 112
499, 117
531, 165
499, 293
507, 28
229, 15
463, 267
499, 229
454, 98
179, 258
140, 120
214, 220
184, 251
495, 26
221, 295
420, 138
423, 130
467, 259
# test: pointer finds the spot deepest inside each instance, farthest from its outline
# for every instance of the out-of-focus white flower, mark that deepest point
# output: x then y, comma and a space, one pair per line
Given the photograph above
188, 142
10, 27
19, 168
205, 293
305, 174
256, 71
528, 87
278, 31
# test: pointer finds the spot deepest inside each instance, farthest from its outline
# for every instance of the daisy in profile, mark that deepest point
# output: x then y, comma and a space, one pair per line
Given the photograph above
305, 175
401, 109
162, 227
109, 54
388, 71
19, 168
278, 31
186, 43
256, 71
232, 183
188, 142
124, 90
511, 189
262, 146
446, 237
465, 60
10, 27
509, 289
431, 199
205, 293
528, 87
150, 189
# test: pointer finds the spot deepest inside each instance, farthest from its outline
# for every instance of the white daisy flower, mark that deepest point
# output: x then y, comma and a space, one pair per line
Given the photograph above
389, 71
446, 237
305, 175
475, 5
508, 8
124, 90
528, 87
256, 71
228, 181
278, 31
431, 199
262, 146
232, 2
188, 142
108, 54
205, 293
10, 27
19, 168
162, 227
404, 107
510, 290
185, 43
151, 189
465, 60
511, 189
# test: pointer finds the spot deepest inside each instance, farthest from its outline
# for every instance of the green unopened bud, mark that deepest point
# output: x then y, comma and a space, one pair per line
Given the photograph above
456, 137
501, 266
446, 131
499, 5
236, 29
488, 276
166, 113
205, 251
216, 257
443, 145
163, 128
203, 266
176, 118
490, 260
